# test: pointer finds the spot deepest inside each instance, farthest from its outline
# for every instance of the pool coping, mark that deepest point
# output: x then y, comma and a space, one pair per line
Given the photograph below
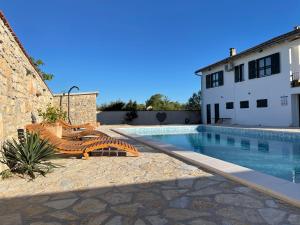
276, 187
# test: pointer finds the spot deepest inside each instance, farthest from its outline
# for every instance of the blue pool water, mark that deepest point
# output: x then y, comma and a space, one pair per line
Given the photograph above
276, 154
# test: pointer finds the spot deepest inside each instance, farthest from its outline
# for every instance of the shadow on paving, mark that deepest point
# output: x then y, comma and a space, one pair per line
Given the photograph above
211, 200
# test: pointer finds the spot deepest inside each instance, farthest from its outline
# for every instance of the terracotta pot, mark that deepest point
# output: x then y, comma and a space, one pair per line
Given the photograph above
55, 128
96, 124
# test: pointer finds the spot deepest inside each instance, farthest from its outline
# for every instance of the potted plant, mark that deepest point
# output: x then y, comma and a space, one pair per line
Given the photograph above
50, 117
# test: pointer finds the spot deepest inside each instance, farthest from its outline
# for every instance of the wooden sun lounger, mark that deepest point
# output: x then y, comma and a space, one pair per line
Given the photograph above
105, 144
71, 133
78, 135
68, 126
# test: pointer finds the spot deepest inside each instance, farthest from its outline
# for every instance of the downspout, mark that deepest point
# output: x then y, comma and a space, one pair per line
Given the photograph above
69, 101
201, 106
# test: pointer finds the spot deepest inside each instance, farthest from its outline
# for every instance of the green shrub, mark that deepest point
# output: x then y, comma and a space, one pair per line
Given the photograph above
27, 158
130, 116
6, 174
52, 114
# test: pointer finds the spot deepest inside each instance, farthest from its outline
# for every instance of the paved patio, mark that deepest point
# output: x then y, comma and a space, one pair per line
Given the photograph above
154, 189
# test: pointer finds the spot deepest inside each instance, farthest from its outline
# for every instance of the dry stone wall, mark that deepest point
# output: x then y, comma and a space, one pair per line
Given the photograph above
82, 106
22, 91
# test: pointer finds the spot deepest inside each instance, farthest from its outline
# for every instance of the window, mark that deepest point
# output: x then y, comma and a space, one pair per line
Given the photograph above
263, 146
229, 105
214, 79
208, 136
239, 73
217, 138
265, 66
262, 103
230, 141
245, 144
244, 104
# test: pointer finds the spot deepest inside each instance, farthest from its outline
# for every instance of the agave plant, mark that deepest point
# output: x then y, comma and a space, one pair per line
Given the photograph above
29, 157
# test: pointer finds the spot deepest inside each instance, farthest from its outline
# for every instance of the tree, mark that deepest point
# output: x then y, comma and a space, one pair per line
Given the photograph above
131, 105
174, 106
38, 64
161, 102
194, 102
141, 107
113, 106
156, 101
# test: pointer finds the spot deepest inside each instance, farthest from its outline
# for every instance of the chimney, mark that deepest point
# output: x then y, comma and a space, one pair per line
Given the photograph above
232, 52
296, 27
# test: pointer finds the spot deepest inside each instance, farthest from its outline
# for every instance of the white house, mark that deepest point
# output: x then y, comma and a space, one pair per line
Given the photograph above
259, 86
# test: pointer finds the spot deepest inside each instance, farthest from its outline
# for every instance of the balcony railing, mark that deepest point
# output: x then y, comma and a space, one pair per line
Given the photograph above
295, 79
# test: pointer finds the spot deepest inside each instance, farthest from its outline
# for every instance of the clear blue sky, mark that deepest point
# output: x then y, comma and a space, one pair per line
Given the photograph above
135, 48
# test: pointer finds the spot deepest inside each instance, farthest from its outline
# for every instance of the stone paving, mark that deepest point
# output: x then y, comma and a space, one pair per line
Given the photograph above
153, 189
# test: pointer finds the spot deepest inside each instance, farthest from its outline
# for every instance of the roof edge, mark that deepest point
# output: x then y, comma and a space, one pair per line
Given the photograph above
78, 93
276, 40
6, 23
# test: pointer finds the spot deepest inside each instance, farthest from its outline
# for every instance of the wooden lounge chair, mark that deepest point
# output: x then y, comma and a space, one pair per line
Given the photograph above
107, 145
78, 135
68, 126
71, 134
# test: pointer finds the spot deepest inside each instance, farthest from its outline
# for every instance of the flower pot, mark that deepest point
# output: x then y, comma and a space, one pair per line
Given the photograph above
55, 128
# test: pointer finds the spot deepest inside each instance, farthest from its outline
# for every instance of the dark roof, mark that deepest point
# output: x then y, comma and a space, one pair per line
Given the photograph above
2, 17
290, 35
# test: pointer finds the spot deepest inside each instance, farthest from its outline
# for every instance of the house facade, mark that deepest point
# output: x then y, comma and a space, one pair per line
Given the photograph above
259, 86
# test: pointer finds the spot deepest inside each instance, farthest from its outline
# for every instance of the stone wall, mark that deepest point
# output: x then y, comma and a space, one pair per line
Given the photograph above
82, 106
22, 91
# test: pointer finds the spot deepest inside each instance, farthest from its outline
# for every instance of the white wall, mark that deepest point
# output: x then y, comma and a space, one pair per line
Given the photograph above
149, 117
270, 87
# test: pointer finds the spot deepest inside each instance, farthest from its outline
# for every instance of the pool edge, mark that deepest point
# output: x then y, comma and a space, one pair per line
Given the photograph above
273, 186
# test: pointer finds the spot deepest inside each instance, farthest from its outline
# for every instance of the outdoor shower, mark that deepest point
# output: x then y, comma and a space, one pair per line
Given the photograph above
69, 101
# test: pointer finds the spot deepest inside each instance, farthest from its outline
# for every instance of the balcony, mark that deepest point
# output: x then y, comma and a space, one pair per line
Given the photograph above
295, 79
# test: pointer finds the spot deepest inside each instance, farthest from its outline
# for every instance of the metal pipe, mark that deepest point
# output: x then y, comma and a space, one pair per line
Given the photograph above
69, 101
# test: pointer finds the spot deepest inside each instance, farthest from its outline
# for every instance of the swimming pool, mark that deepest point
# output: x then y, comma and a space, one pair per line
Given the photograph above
271, 152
